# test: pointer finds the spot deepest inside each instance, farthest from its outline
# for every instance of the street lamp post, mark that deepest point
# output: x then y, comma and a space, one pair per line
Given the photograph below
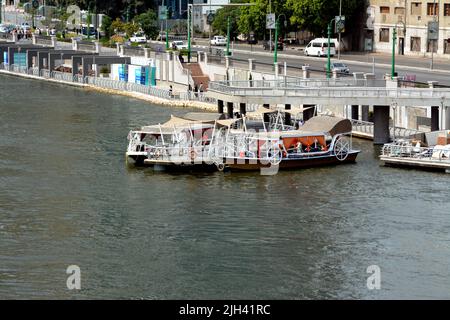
189, 32
330, 26
394, 40
277, 27
228, 36
394, 44
275, 49
340, 36
167, 28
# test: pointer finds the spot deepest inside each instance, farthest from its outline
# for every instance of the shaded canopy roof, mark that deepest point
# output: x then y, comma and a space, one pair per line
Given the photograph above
228, 122
327, 124
260, 112
296, 110
204, 116
171, 125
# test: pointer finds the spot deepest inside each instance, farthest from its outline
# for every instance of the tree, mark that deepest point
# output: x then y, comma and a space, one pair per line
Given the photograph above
147, 22
253, 18
220, 22
117, 26
131, 28
315, 15
106, 26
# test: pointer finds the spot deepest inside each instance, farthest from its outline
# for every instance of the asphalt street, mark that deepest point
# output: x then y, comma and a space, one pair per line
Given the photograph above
380, 64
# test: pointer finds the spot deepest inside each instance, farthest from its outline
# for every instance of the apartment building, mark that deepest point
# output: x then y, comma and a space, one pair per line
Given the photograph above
412, 19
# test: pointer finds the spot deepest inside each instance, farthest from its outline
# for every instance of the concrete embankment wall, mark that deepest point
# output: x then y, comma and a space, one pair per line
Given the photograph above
136, 95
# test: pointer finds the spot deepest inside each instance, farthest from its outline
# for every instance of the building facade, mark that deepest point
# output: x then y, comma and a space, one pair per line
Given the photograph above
423, 26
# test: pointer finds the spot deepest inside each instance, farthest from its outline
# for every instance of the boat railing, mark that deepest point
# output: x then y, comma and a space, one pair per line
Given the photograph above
405, 150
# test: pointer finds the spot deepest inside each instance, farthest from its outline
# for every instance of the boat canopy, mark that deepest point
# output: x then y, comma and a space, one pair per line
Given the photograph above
175, 123
324, 124
228, 122
296, 110
260, 112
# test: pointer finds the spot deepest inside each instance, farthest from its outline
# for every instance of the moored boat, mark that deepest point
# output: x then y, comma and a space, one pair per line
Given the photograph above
322, 140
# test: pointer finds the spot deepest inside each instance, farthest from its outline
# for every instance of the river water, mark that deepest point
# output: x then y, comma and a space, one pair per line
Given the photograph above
68, 198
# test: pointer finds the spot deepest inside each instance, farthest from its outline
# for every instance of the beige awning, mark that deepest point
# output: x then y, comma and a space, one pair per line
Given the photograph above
156, 129
227, 122
178, 122
296, 110
326, 124
260, 112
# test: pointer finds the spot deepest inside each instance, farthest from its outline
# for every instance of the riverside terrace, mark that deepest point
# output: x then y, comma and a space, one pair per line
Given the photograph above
380, 94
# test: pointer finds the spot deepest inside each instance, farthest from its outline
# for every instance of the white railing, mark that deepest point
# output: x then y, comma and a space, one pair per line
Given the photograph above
108, 84
335, 92
62, 76
295, 82
396, 150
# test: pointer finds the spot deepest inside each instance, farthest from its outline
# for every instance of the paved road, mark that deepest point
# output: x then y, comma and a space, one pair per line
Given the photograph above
380, 58
358, 62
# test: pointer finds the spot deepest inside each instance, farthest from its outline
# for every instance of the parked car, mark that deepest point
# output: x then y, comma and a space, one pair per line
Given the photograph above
218, 41
338, 67
270, 44
252, 39
25, 26
138, 38
179, 45
4, 29
290, 41
319, 47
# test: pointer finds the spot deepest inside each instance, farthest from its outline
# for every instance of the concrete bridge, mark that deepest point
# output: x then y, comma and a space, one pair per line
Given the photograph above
380, 94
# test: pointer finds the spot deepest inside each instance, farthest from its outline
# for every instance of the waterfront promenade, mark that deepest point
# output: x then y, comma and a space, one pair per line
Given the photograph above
363, 92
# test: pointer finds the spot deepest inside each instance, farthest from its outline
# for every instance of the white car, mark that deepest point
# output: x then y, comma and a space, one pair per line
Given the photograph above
179, 45
25, 26
4, 29
138, 38
319, 47
219, 41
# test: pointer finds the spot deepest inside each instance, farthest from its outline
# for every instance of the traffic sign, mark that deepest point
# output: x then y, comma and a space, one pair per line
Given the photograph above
270, 21
340, 24
35, 4
162, 12
210, 18
433, 30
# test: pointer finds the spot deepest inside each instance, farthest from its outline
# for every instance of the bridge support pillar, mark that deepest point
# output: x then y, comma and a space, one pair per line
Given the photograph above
242, 109
308, 114
434, 118
355, 112
220, 106
287, 116
447, 118
230, 109
365, 113
266, 116
381, 133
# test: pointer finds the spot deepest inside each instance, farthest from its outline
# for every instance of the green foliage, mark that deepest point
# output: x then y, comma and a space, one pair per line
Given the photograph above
117, 26
220, 23
147, 22
253, 18
312, 15
106, 26
184, 52
131, 28
113, 8
315, 15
